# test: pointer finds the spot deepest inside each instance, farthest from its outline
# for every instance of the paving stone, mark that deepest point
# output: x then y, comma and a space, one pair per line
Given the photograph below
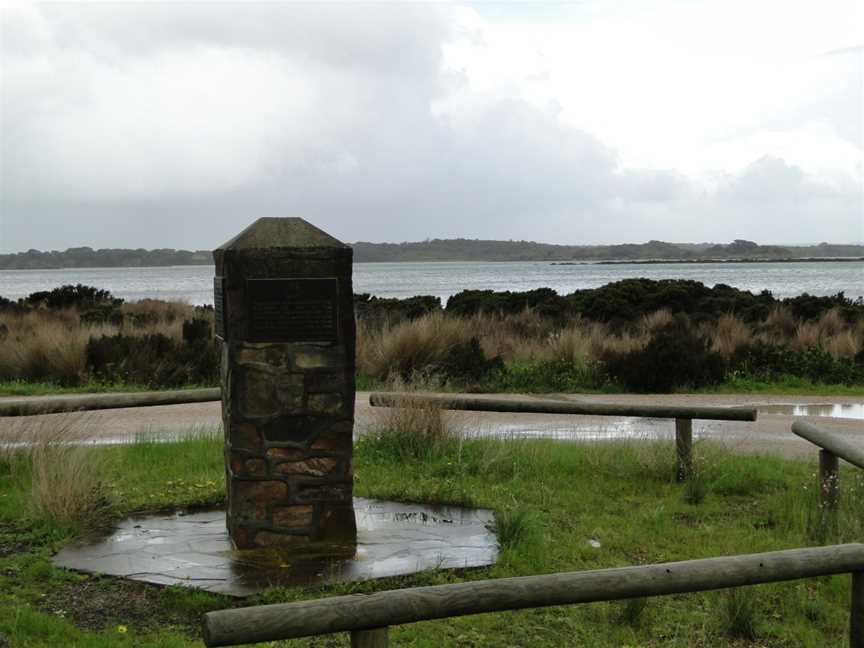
194, 550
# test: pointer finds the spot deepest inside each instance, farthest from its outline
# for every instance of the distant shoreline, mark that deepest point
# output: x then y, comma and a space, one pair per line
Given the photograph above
667, 261
465, 251
554, 263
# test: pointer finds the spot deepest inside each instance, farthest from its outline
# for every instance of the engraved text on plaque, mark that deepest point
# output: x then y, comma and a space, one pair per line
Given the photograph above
293, 310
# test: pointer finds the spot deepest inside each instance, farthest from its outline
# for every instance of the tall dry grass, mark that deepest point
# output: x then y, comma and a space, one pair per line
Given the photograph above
45, 346
419, 431
401, 349
50, 345
68, 478
729, 334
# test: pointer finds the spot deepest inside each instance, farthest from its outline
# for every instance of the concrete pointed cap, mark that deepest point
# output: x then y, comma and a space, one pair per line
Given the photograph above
281, 233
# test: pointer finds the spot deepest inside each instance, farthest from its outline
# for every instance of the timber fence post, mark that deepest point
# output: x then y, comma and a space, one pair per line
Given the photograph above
684, 447
829, 480
856, 611
375, 638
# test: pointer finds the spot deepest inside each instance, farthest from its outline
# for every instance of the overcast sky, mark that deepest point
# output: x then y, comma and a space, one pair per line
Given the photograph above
175, 125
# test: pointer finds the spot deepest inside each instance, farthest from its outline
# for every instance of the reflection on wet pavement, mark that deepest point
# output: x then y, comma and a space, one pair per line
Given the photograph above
833, 410
611, 429
194, 550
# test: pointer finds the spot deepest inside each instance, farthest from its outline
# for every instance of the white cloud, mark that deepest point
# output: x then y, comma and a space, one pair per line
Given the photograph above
174, 125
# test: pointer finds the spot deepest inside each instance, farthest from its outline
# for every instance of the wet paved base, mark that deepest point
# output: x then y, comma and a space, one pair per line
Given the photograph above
194, 550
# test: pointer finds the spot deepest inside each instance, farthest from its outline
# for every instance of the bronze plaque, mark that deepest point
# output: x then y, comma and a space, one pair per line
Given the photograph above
293, 310
219, 306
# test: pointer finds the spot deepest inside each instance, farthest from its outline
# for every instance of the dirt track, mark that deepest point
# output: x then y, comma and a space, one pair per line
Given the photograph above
770, 433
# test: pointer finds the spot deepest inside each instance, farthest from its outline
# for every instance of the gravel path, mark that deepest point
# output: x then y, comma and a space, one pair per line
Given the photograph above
770, 433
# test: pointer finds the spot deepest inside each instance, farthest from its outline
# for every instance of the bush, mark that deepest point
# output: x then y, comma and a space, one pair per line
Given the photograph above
675, 357
377, 311
156, 359
543, 301
78, 296
466, 362
770, 362
631, 299
561, 376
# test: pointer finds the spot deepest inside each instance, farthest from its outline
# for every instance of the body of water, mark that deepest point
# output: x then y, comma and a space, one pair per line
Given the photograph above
443, 279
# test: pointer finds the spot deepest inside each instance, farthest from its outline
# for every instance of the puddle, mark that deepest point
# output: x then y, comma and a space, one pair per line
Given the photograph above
833, 410
611, 430
194, 550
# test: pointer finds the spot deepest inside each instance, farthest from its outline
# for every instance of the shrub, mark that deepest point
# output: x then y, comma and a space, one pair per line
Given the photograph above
770, 362
378, 311
560, 376
543, 301
78, 296
155, 359
466, 362
675, 357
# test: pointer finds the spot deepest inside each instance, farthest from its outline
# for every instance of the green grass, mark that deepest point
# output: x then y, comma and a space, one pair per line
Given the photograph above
550, 498
25, 388
516, 377
789, 385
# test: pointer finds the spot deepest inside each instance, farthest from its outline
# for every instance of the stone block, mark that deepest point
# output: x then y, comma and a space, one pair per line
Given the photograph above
326, 404
242, 465
253, 493
338, 524
291, 517
324, 381
309, 357
294, 429
285, 454
259, 394
323, 493
270, 539
244, 436
314, 466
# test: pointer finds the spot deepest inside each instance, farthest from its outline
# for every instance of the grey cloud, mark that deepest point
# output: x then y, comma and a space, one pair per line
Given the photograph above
175, 125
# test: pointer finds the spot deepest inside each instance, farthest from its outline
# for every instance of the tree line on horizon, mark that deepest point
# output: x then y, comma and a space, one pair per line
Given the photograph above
459, 249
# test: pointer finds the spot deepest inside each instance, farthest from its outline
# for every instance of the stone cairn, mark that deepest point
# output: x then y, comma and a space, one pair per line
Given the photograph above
284, 312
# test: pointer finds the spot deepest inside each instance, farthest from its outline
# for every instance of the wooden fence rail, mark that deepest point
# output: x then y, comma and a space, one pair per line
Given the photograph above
368, 616
34, 406
683, 415
832, 446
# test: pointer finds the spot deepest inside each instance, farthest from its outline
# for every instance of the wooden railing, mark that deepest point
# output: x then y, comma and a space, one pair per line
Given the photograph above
368, 616
683, 415
34, 406
832, 446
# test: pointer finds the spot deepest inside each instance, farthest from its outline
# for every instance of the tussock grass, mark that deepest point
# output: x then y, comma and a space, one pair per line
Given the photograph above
729, 335
50, 345
513, 525
407, 347
45, 346
420, 431
66, 479
741, 613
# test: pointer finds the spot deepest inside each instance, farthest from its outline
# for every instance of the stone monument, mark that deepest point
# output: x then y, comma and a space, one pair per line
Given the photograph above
284, 312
